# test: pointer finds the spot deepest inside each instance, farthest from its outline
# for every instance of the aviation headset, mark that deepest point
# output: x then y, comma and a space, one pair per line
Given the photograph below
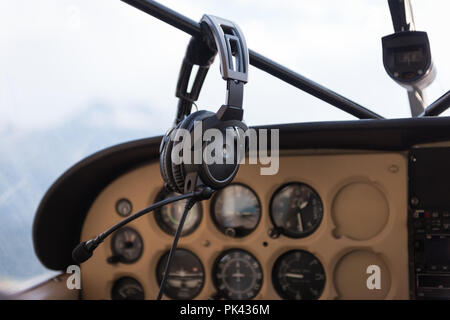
217, 35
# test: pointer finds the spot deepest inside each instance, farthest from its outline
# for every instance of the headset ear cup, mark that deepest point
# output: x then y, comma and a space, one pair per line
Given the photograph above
178, 176
178, 171
165, 164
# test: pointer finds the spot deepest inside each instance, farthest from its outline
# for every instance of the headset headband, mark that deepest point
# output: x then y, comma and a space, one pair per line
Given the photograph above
225, 37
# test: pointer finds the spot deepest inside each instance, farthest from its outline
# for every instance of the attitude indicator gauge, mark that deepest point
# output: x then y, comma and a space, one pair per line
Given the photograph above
186, 275
236, 210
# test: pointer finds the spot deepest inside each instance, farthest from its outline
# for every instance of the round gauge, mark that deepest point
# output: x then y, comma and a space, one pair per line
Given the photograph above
296, 210
127, 245
236, 210
298, 275
124, 207
127, 288
168, 217
186, 275
237, 275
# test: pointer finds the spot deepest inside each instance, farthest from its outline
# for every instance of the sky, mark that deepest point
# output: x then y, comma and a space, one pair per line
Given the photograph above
79, 76
58, 56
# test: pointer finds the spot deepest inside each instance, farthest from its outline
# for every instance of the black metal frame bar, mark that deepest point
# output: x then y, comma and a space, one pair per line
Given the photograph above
437, 107
191, 27
399, 10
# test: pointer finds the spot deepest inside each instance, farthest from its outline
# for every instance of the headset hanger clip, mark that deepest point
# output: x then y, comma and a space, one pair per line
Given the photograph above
225, 37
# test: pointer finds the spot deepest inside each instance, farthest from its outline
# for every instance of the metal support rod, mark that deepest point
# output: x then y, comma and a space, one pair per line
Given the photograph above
167, 15
402, 15
191, 27
310, 87
416, 102
437, 107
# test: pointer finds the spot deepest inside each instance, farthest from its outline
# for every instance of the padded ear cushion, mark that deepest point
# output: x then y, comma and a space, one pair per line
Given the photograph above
165, 163
188, 124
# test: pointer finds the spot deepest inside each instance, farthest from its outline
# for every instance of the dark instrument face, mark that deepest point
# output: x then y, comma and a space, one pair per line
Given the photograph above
237, 275
127, 288
124, 207
296, 210
186, 275
127, 245
168, 217
298, 275
236, 210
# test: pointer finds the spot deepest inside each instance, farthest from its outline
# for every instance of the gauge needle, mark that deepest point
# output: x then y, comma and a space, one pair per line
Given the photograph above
300, 223
294, 275
303, 205
129, 237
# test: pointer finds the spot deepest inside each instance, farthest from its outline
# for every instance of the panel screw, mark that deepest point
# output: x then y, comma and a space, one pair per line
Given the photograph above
414, 201
393, 168
273, 233
206, 243
230, 232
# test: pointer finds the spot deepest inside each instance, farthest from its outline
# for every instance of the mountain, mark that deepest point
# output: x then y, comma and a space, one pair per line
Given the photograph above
31, 160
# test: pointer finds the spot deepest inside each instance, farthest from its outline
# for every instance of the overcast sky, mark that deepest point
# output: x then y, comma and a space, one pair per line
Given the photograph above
58, 56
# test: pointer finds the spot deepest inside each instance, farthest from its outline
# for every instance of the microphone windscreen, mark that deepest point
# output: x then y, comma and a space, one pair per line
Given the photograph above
80, 254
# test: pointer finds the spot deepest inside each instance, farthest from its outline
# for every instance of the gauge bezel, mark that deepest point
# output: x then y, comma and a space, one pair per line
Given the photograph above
215, 271
213, 214
158, 265
284, 231
117, 207
163, 226
275, 283
114, 251
126, 278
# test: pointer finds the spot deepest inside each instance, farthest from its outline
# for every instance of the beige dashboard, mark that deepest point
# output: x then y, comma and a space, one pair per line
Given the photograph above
364, 197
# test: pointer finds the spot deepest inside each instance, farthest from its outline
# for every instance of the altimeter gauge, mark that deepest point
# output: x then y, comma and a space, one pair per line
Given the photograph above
298, 275
296, 210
